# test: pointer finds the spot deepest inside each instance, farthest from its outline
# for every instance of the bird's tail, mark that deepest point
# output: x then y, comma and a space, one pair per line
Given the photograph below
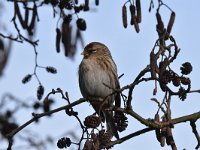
111, 128
108, 117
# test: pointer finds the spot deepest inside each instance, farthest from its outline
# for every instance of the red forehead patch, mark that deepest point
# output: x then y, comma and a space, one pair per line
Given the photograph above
89, 46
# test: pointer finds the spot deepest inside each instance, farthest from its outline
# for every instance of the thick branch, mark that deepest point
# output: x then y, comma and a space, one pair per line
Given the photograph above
152, 124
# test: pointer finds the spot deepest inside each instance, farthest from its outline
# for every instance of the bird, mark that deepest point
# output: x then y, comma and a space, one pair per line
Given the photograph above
98, 79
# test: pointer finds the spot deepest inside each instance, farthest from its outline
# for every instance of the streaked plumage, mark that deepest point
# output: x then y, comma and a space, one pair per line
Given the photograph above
98, 78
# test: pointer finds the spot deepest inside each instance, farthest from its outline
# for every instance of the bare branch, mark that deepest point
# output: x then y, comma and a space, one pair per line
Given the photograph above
125, 138
11, 38
152, 124
37, 116
194, 130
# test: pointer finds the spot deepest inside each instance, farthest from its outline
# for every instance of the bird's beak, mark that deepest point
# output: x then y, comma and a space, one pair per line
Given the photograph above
85, 54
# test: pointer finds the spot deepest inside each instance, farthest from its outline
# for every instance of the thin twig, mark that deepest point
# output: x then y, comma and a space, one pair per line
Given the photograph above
194, 130
125, 138
37, 116
11, 38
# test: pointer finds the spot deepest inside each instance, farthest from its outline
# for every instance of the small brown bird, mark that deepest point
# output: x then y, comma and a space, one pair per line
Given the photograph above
97, 79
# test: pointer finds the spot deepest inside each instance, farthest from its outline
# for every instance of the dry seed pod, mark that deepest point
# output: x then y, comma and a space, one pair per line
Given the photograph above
27, 78
5, 56
139, 12
86, 6
58, 38
137, 28
88, 145
132, 10
64, 142
81, 24
40, 92
163, 65
47, 105
173, 146
158, 134
134, 18
169, 136
1, 45
62, 4
120, 121
157, 118
92, 121
176, 80
104, 137
36, 105
170, 139
76, 1
51, 69
95, 141
66, 38
96, 2
18, 13
163, 75
87, 3
26, 16
7, 128
162, 141
153, 64
186, 68
54, 2
32, 24
171, 22
124, 16
160, 25
182, 93
67, 19
163, 134
185, 81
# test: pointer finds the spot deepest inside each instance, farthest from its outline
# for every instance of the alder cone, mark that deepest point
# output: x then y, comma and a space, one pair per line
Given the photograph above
81, 24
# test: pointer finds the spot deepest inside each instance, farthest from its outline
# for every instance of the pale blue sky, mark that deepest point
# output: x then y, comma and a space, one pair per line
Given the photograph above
131, 54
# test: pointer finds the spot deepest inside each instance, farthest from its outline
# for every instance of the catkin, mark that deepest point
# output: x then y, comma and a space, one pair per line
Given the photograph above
124, 16
26, 16
171, 22
19, 15
32, 24
139, 11
160, 25
157, 131
58, 38
96, 2
134, 18
132, 11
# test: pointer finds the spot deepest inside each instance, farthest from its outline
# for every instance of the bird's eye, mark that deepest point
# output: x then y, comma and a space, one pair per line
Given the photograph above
92, 50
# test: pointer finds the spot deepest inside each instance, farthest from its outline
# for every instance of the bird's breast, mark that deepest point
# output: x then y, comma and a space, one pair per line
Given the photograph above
94, 80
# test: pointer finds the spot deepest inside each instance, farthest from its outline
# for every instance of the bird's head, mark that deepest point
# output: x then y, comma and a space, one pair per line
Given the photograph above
95, 49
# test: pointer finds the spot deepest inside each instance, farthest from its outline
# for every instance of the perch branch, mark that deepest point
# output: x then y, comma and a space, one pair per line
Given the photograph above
152, 124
